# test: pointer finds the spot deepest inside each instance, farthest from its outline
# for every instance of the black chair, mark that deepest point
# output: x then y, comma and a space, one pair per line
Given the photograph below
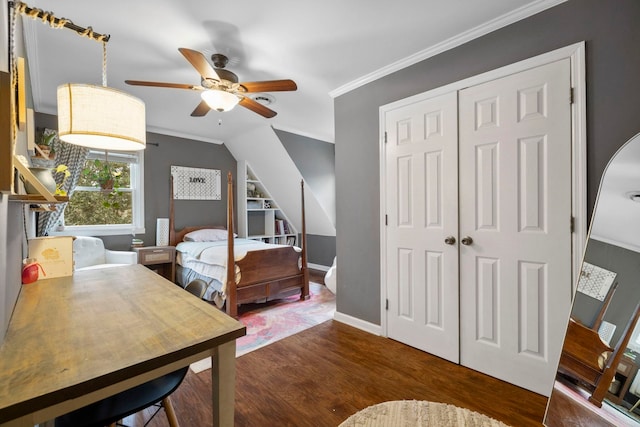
112, 409
197, 287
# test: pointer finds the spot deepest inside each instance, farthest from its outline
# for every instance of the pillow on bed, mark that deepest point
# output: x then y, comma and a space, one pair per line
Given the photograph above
207, 235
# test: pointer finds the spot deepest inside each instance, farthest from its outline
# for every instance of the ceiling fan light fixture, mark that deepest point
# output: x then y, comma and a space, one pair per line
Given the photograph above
220, 100
100, 117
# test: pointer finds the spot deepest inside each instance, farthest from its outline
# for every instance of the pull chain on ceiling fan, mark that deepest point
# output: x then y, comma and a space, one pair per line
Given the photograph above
220, 88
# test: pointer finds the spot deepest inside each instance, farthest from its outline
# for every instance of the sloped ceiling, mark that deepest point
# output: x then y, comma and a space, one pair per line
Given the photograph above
327, 47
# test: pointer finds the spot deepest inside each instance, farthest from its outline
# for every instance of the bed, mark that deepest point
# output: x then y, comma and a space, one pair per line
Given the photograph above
238, 271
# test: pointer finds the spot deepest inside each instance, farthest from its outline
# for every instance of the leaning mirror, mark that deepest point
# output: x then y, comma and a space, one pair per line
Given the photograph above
597, 383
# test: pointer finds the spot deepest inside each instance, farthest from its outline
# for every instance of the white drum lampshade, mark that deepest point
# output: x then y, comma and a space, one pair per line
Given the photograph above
100, 117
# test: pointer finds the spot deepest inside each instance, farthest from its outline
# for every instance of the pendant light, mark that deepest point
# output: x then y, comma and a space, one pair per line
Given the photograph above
96, 117
101, 117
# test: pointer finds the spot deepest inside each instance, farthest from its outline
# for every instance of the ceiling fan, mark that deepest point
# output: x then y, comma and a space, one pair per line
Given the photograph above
220, 88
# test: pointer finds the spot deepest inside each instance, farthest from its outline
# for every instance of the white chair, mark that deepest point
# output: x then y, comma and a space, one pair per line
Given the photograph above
90, 253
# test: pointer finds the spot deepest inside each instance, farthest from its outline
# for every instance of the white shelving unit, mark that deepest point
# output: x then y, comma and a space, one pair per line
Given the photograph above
259, 216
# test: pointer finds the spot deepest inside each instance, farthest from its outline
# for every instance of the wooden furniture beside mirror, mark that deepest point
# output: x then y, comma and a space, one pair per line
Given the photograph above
595, 378
588, 359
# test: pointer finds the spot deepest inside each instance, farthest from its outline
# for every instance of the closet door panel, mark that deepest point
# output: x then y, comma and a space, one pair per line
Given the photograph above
422, 270
515, 206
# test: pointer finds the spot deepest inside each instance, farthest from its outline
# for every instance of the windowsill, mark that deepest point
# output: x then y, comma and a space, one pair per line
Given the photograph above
98, 230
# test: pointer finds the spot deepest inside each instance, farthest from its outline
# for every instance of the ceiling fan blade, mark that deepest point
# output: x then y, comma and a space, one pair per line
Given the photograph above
270, 86
200, 63
256, 107
160, 84
201, 110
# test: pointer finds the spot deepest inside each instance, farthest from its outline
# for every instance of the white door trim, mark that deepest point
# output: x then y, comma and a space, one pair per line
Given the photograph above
576, 54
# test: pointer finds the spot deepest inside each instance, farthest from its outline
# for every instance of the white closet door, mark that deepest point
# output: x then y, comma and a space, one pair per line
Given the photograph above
515, 205
422, 208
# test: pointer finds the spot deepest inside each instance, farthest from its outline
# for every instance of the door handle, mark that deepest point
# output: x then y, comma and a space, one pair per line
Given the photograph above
466, 240
450, 240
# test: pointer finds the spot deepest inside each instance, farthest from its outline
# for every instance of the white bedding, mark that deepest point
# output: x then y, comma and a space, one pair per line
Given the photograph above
210, 259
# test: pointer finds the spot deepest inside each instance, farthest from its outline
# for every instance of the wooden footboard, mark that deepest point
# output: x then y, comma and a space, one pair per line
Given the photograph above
264, 274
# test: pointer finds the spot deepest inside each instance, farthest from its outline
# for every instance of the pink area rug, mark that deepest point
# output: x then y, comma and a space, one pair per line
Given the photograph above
272, 321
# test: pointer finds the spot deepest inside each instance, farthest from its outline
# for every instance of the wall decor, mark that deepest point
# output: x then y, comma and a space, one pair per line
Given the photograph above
595, 281
196, 183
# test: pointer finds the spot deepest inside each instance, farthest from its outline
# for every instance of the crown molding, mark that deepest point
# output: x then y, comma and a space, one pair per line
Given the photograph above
462, 38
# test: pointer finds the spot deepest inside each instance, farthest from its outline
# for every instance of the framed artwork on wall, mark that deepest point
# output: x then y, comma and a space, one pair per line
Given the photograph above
196, 183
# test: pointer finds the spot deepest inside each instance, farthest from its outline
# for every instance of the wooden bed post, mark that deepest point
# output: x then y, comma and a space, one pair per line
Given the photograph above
304, 295
612, 363
231, 305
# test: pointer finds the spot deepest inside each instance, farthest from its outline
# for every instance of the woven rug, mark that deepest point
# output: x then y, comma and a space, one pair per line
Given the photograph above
274, 320
418, 413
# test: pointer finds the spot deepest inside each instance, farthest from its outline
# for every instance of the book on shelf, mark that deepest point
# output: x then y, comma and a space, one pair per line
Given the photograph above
280, 226
291, 240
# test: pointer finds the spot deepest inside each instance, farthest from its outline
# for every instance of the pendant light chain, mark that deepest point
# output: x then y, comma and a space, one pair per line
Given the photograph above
104, 63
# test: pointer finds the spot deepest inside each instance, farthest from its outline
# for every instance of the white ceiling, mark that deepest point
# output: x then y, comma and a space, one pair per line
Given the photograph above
327, 47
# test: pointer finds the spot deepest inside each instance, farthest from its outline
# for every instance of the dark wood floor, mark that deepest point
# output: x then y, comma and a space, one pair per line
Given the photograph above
322, 375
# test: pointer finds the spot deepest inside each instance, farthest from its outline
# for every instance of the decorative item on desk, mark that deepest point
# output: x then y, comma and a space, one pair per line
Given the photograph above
137, 243
54, 253
30, 271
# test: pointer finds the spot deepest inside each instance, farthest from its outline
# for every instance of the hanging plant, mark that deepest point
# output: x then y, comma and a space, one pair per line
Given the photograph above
104, 175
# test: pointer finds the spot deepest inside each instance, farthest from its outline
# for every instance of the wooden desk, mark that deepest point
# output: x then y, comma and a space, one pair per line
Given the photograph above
75, 340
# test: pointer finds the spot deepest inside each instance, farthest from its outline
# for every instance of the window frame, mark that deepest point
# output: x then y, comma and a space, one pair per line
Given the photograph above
137, 200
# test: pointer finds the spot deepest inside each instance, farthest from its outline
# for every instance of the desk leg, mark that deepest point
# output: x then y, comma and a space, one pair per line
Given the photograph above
223, 381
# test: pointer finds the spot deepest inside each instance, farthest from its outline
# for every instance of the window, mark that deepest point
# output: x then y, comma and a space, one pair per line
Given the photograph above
95, 211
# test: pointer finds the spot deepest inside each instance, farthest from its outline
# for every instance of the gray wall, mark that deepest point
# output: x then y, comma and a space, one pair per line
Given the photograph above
161, 153
612, 35
626, 265
315, 160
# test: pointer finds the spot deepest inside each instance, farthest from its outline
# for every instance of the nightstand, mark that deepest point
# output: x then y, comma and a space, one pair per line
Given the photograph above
160, 258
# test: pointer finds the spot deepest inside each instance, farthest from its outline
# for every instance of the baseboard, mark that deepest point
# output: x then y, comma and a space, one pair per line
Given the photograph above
358, 323
318, 267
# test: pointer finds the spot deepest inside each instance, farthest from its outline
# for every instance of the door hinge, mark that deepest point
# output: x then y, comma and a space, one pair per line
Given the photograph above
573, 224
386, 304
571, 95
386, 220
385, 136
